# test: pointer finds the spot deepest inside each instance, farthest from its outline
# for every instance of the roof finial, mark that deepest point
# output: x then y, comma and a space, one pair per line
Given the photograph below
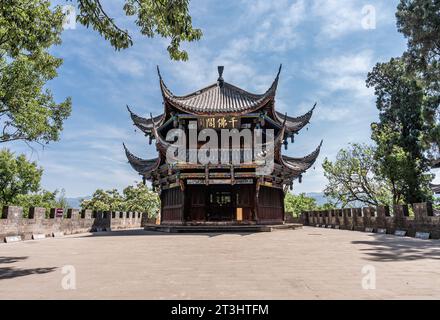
279, 70
158, 72
220, 79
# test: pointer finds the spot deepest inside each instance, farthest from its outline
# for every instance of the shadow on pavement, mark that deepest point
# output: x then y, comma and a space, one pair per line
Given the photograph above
391, 248
9, 273
4, 260
14, 272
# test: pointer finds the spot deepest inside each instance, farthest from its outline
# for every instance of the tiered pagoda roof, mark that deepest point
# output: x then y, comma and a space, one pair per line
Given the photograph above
222, 98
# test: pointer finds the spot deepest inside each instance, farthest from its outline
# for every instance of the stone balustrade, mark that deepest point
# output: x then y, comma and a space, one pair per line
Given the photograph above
73, 221
424, 219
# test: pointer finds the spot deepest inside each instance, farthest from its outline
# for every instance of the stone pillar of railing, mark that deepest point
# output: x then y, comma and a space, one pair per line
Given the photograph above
303, 218
330, 214
366, 217
422, 211
348, 219
382, 213
358, 220
73, 214
37, 214
11, 224
328, 217
334, 217
311, 218
338, 217
12, 214
401, 213
86, 214
369, 217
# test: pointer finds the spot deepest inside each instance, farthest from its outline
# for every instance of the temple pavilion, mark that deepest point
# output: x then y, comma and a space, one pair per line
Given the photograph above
194, 193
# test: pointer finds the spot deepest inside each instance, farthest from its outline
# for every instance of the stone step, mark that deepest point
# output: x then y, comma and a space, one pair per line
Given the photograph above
221, 229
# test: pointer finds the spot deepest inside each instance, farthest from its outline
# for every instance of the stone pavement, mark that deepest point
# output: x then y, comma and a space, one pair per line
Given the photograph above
309, 263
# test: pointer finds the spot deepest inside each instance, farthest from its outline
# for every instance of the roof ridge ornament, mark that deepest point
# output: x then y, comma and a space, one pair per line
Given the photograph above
220, 79
158, 72
279, 70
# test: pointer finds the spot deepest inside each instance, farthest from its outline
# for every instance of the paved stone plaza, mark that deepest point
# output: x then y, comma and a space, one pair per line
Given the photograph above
309, 263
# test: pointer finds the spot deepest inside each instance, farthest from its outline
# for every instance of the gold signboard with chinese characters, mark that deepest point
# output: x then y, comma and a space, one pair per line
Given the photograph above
219, 122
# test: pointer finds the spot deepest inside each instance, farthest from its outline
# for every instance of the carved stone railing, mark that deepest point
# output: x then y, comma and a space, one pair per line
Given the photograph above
380, 219
60, 222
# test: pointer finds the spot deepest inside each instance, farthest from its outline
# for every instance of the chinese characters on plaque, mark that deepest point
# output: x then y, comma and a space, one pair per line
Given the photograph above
221, 122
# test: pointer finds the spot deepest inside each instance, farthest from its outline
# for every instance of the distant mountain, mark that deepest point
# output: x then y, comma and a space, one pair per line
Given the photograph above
321, 200
75, 203
318, 196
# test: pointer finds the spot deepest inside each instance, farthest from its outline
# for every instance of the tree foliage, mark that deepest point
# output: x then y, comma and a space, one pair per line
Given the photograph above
402, 129
20, 184
41, 199
296, 204
27, 109
101, 200
133, 198
166, 18
353, 178
18, 176
419, 21
140, 198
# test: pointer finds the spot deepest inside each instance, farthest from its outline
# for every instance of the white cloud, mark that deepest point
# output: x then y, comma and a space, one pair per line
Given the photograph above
342, 17
333, 113
276, 24
344, 73
338, 17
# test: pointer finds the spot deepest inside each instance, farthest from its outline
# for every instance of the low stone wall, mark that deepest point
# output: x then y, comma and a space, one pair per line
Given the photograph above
425, 219
73, 221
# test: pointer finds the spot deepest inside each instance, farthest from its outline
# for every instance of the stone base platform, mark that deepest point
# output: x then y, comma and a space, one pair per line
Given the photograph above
221, 228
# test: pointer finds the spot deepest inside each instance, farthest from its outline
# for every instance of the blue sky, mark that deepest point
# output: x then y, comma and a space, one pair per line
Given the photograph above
325, 51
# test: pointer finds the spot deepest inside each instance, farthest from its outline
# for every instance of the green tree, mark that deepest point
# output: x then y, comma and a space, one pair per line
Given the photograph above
27, 109
134, 198
295, 204
327, 206
166, 18
140, 198
399, 134
42, 199
101, 200
18, 176
353, 178
20, 184
419, 21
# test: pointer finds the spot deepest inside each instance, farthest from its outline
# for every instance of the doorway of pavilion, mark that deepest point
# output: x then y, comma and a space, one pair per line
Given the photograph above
220, 204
